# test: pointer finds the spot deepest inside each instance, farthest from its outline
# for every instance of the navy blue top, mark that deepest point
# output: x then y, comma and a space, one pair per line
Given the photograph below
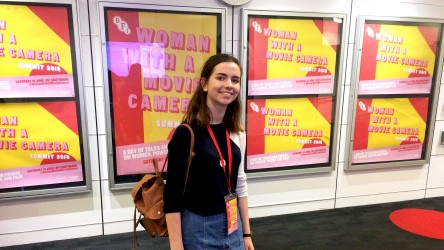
207, 184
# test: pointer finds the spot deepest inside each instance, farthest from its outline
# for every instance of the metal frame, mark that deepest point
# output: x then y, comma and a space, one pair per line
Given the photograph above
340, 67
81, 111
111, 164
354, 94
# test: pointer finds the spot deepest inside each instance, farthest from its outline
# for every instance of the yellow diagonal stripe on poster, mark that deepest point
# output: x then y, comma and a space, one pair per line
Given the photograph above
404, 117
302, 111
414, 46
30, 33
312, 42
40, 126
158, 124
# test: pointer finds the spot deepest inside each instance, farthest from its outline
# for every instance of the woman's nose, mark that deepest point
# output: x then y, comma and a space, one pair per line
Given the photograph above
229, 83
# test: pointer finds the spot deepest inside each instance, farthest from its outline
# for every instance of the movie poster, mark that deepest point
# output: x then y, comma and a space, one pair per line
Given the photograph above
40, 135
395, 91
39, 144
292, 56
35, 52
389, 129
397, 59
288, 132
291, 91
154, 60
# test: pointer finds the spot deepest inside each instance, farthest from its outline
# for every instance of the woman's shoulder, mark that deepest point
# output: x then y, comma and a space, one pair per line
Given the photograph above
183, 129
181, 136
238, 137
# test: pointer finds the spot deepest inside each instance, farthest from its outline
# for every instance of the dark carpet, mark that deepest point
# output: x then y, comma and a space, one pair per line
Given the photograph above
362, 227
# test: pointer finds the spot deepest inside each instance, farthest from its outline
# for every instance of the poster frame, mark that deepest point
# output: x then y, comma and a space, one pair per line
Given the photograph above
113, 185
337, 91
353, 96
79, 99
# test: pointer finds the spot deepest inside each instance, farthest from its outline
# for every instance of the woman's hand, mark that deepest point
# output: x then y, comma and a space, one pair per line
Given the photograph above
248, 243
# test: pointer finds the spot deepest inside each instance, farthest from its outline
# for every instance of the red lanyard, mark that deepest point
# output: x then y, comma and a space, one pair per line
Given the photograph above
222, 161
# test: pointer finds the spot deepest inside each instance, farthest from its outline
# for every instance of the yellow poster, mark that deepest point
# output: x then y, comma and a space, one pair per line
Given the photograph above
39, 144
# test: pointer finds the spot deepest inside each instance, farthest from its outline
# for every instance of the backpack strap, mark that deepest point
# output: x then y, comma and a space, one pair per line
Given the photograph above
134, 192
136, 223
190, 157
156, 167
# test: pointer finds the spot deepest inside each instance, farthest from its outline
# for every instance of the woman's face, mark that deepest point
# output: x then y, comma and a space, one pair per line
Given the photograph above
223, 85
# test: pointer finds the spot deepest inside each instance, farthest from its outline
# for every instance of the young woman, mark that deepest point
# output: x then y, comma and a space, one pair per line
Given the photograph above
212, 212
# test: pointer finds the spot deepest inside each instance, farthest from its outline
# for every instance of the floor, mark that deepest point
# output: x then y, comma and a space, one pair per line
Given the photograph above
362, 227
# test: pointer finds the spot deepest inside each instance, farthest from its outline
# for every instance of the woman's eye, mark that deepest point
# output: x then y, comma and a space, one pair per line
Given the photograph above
220, 78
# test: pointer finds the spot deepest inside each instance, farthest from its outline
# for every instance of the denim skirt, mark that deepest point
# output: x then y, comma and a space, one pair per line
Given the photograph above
208, 232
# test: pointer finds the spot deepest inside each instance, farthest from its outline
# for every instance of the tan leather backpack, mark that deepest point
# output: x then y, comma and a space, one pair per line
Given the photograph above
148, 198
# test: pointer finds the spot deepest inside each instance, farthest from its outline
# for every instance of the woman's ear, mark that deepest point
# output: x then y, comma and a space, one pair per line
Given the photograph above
203, 84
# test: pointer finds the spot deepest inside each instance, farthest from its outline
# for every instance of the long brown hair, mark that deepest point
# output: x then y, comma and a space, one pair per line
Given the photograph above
197, 108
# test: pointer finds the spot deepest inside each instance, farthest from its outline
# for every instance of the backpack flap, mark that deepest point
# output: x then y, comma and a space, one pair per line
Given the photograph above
142, 193
139, 184
152, 193
156, 211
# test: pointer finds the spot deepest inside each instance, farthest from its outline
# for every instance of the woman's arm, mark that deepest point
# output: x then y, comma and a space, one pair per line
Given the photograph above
178, 153
243, 210
174, 231
242, 192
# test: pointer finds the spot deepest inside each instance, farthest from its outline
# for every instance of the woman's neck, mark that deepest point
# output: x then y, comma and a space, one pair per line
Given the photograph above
216, 118
217, 114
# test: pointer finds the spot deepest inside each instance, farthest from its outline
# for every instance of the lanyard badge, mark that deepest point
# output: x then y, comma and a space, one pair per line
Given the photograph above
231, 208
230, 199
